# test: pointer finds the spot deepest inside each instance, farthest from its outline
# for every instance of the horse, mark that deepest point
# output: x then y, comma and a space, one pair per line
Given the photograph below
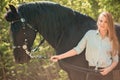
60, 26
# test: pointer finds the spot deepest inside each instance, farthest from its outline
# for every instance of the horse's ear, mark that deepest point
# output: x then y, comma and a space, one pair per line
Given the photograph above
6, 8
13, 9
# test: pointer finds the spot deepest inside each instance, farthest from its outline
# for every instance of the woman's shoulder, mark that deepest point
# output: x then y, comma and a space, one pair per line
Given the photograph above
91, 31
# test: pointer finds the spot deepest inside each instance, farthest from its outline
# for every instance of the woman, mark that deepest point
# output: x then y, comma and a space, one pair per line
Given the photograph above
101, 45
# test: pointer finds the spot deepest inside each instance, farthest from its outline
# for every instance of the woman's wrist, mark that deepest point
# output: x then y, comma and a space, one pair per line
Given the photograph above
113, 65
59, 57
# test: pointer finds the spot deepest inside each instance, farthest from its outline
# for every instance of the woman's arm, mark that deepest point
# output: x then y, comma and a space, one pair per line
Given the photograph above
75, 51
70, 53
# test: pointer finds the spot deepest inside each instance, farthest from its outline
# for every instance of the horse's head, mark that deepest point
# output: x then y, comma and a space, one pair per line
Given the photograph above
23, 35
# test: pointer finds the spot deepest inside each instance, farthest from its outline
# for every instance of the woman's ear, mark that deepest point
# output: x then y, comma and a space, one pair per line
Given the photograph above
12, 8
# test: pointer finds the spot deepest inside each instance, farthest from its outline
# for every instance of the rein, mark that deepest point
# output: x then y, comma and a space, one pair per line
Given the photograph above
77, 68
24, 46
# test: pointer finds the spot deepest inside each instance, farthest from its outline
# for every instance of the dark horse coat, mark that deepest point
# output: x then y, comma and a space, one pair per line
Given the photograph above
62, 27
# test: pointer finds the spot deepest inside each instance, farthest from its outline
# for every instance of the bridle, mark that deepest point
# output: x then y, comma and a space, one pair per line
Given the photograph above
24, 46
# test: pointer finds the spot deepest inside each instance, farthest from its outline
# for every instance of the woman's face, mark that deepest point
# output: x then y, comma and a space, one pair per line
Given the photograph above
102, 23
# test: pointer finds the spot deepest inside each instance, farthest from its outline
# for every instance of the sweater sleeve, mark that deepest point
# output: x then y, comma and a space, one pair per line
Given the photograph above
82, 44
115, 58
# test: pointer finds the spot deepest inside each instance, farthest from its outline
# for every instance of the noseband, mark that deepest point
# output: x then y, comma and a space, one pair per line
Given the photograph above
24, 46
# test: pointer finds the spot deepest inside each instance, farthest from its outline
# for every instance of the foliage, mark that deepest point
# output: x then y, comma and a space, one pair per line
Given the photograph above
43, 69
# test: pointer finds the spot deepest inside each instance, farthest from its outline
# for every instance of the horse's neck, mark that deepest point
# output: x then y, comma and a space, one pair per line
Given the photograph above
51, 36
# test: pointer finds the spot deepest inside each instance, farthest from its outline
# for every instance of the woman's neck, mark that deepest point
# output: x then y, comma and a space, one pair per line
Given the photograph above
103, 34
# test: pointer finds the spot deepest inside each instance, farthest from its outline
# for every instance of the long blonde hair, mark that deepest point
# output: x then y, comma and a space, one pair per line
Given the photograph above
111, 32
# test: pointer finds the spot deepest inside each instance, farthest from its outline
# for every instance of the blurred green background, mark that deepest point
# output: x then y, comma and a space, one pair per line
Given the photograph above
43, 69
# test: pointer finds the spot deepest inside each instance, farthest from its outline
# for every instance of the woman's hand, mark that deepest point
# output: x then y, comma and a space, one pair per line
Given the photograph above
105, 71
55, 58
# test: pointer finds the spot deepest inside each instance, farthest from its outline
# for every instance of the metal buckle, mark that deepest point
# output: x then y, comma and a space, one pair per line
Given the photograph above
96, 69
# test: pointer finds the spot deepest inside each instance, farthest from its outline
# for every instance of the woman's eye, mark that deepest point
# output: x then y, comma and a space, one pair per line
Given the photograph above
100, 20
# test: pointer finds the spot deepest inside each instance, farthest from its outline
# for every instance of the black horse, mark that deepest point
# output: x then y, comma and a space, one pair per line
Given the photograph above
62, 27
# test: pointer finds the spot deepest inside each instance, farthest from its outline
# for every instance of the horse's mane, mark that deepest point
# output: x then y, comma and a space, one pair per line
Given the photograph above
49, 14
45, 12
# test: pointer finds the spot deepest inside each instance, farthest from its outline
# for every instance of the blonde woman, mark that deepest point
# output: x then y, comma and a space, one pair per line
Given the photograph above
101, 45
